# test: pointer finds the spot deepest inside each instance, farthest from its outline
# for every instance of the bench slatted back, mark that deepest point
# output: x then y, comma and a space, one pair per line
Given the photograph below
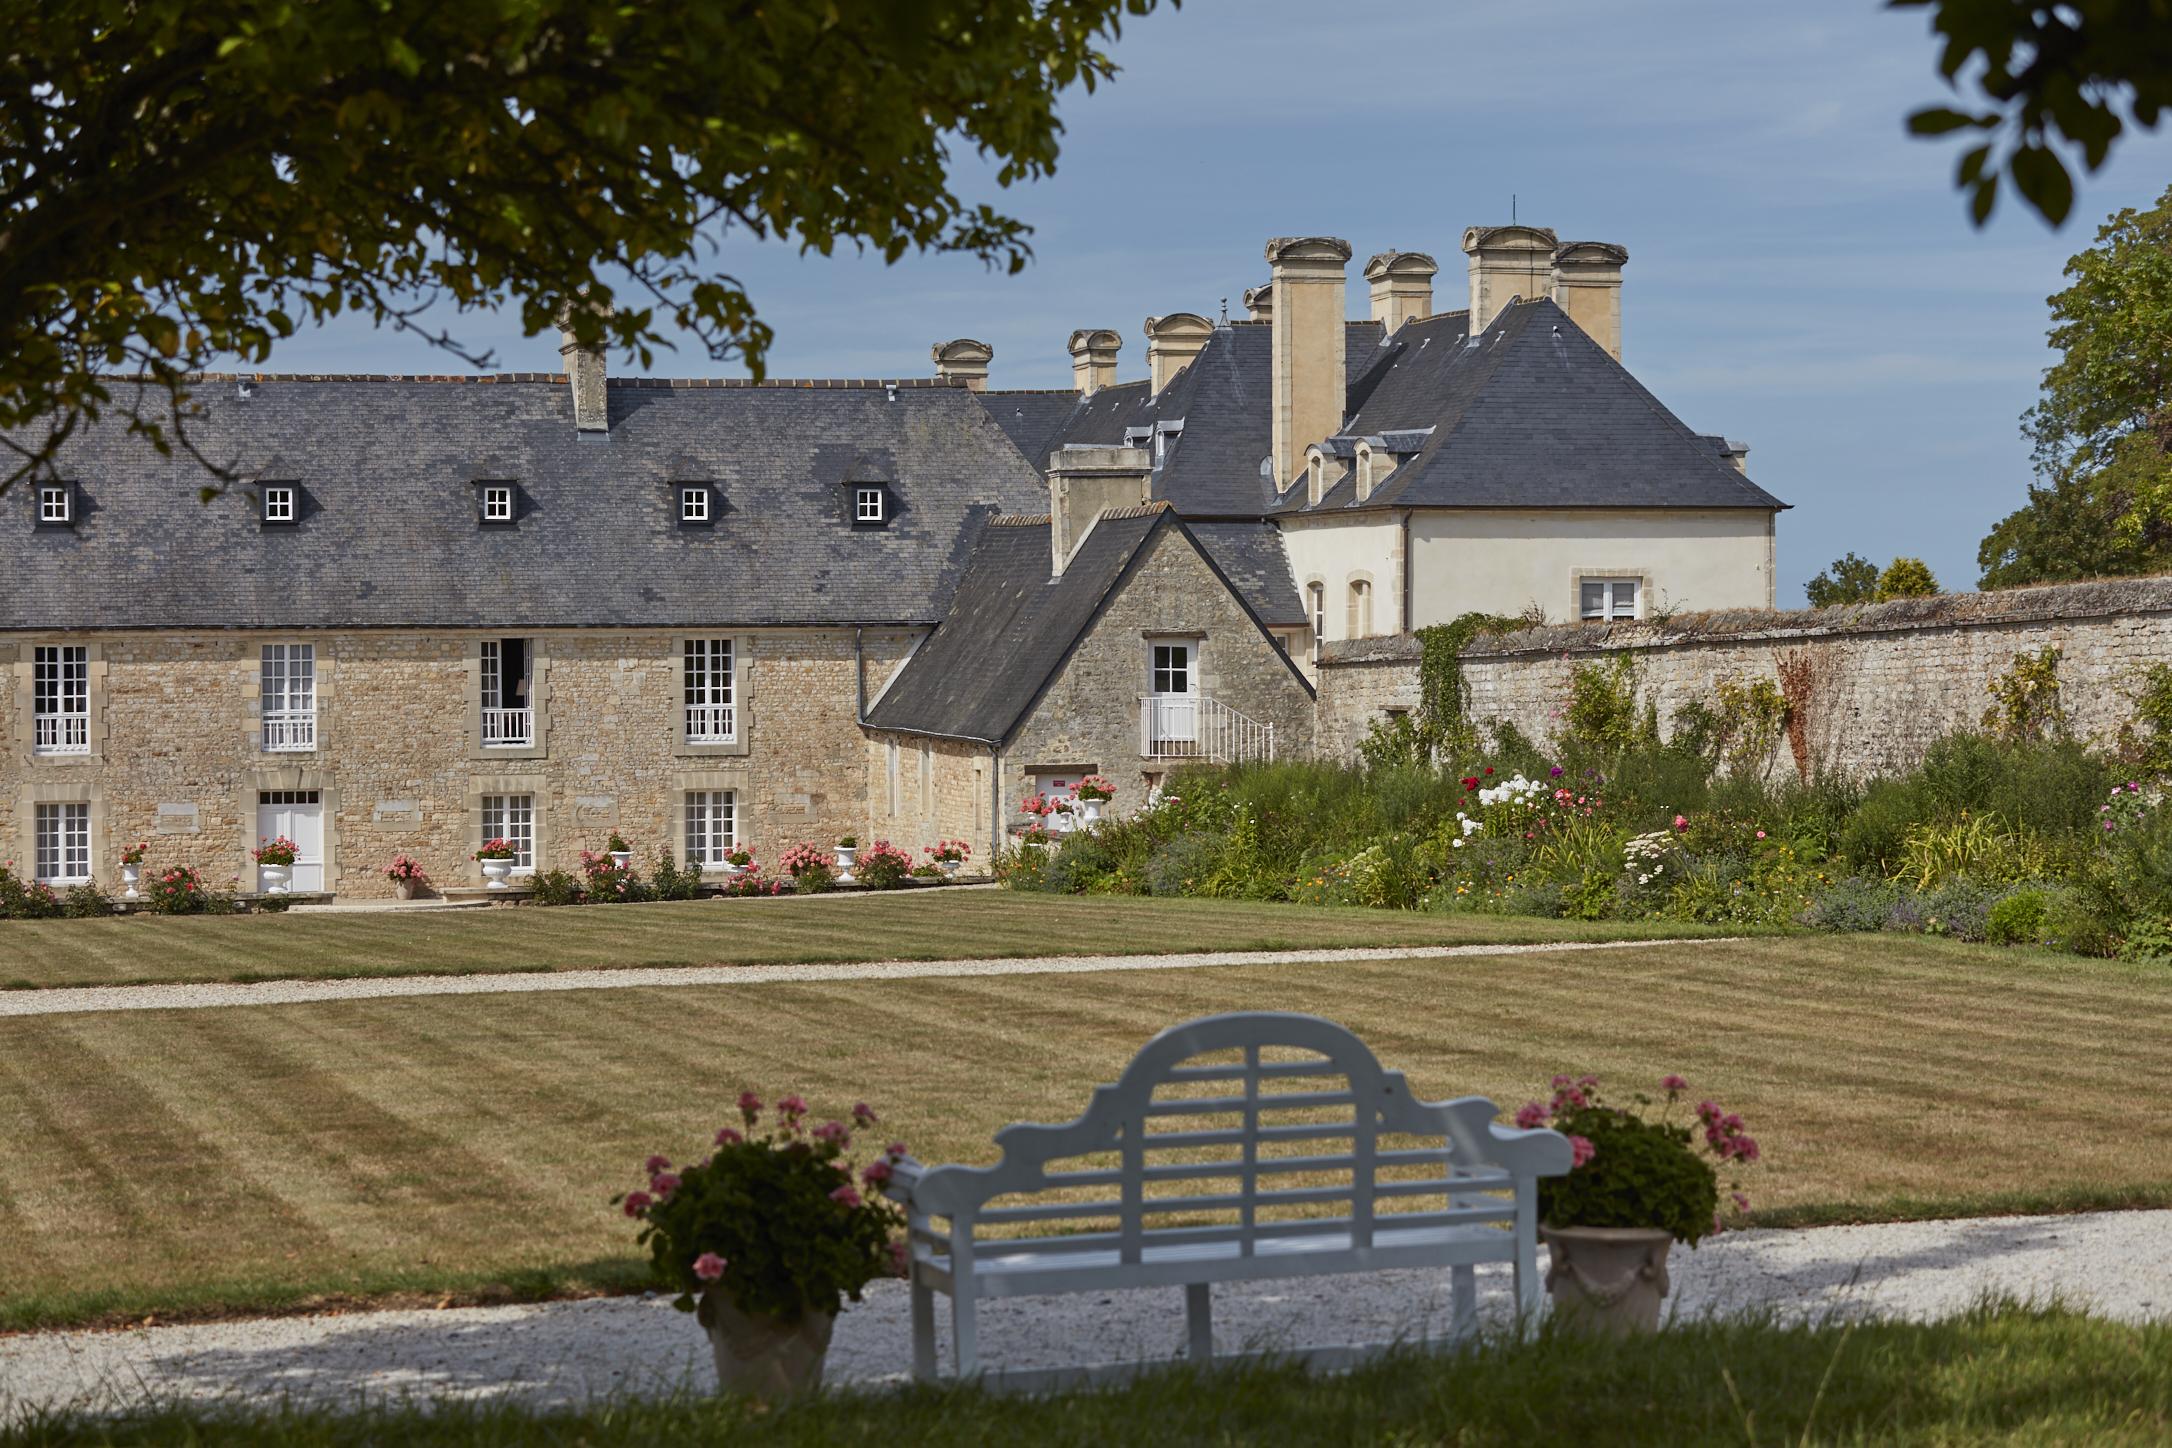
1254, 1067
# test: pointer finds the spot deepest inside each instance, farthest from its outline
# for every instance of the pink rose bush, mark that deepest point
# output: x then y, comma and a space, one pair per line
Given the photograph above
883, 866
1637, 1166
778, 1220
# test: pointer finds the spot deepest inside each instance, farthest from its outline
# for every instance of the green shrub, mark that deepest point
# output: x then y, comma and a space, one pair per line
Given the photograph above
2017, 919
1078, 863
1852, 904
2072, 924
1602, 719
1183, 865
554, 887
86, 901
670, 881
2149, 938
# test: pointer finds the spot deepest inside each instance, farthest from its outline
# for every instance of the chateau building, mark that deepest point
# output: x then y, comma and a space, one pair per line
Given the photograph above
705, 614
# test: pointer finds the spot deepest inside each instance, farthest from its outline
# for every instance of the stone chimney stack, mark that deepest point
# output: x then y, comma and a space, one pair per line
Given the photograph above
1093, 359
1587, 285
963, 360
1507, 261
585, 371
1402, 287
1259, 302
1084, 482
1171, 343
1309, 314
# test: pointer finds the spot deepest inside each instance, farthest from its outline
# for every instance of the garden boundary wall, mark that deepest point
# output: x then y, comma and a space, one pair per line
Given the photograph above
1870, 686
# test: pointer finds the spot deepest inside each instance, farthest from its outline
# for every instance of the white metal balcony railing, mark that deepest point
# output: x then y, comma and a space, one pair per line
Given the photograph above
62, 734
289, 731
508, 728
1182, 726
711, 723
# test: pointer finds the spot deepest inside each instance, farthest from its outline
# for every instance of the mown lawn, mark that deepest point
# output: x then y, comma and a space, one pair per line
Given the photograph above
1998, 1375
920, 925
254, 1157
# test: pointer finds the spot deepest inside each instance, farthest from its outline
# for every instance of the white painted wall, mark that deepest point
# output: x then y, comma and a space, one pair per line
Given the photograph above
1505, 561
1369, 545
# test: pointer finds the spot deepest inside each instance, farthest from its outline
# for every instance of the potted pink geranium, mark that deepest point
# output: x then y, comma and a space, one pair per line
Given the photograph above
1640, 1183
497, 858
1093, 792
949, 855
132, 868
275, 863
406, 876
767, 1237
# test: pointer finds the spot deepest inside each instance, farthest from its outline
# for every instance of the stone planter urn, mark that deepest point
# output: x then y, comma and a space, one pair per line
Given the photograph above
403, 889
496, 873
765, 1357
949, 868
622, 858
1089, 812
131, 875
730, 871
846, 856
1607, 1280
275, 878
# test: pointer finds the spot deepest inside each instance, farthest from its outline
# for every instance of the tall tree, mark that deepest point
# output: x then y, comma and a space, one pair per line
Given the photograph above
2102, 427
181, 179
2052, 74
1850, 579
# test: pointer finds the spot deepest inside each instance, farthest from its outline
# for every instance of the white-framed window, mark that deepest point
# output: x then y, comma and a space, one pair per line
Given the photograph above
60, 699
54, 504
712, 716
508, 714
712, 826
279, 503
1360, 620
497, 502
867, 504
1173, 668
511, 817
1608, 598
63, 843
693, 505
287, 689
1316, 597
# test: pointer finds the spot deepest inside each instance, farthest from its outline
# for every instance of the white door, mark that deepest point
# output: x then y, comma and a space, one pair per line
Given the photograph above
299, 815
1176, 693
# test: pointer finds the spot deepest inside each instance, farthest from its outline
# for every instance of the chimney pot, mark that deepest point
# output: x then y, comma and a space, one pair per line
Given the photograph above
1402, 287
1310, 312
1259, 302
1086, 481
1171, 343
1587, 285
1507, 261
1093, 358
963, 360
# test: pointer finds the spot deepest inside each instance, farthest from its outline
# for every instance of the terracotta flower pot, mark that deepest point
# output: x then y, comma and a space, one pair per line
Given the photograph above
766, 1357
1607, 1279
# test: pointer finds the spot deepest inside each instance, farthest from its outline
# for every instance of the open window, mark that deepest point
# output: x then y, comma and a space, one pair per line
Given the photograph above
507, 667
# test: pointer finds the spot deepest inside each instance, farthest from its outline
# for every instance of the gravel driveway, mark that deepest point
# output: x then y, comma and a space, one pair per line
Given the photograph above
2115, 1263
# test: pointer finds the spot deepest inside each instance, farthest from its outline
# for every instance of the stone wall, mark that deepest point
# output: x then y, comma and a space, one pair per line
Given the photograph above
1088, 718
1873, 684
941, 794
178, 759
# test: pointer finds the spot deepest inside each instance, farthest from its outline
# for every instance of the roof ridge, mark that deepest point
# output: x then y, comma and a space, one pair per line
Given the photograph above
1021, 520
923, 384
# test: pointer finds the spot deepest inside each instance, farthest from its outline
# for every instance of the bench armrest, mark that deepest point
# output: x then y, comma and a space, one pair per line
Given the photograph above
905, 1174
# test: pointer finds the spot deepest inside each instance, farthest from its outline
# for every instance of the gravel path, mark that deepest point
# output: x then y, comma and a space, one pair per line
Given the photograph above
2115, 1263
75, 999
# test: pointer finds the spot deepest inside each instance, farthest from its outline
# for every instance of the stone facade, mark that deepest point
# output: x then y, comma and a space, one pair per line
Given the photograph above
178, 755
1873, 685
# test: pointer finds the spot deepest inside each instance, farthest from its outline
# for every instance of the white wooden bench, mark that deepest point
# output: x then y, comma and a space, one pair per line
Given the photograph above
1235, 1147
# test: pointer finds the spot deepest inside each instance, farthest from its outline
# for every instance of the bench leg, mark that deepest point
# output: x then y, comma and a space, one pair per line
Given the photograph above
924, 1366
965, 1332
1463, 1298
1529, 1286
1199, 1322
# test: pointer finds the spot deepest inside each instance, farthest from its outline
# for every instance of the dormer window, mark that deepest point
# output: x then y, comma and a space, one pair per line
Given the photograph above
694, 504
56, 505
281, 504
497, 502
867, 504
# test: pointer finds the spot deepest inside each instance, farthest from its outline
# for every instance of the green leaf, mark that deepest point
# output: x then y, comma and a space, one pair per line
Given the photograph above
1938, 121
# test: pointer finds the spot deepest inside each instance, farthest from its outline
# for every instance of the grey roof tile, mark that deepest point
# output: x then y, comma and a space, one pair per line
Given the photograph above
389, 536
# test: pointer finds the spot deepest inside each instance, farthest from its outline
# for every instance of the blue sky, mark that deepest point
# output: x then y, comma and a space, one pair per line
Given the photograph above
1802, 275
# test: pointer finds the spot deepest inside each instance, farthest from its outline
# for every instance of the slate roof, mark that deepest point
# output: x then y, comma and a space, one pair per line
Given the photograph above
1252, 558
1010, 626
1007, 608
389, 535
1530, 414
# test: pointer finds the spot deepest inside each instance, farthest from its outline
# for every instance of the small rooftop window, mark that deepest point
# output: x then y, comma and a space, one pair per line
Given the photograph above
281, 503
867, 503
56, 504
694, 503
497, 502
